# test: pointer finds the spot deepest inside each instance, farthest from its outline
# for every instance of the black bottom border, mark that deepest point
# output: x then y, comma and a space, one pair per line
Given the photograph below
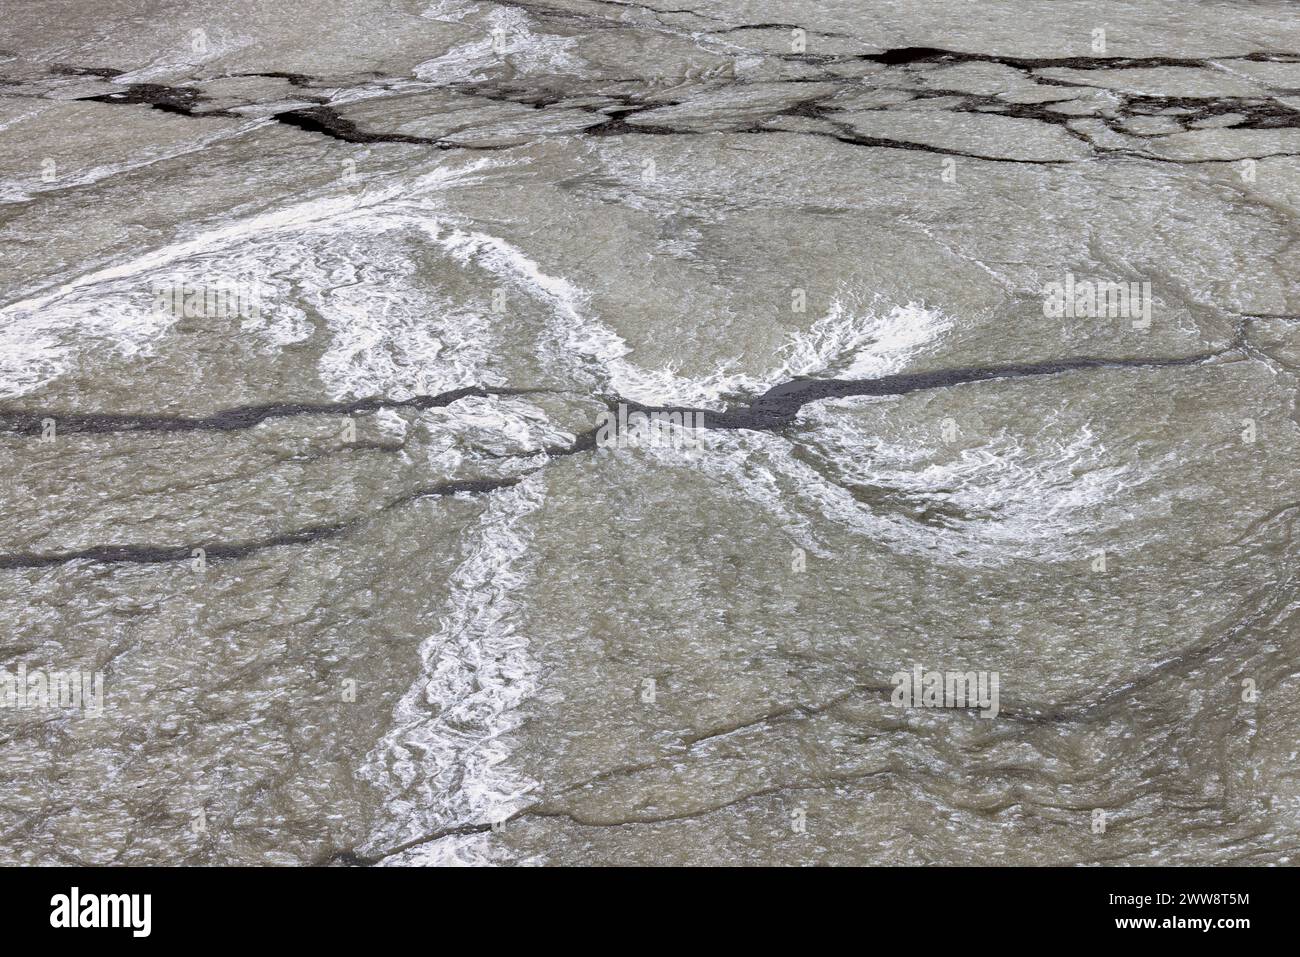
946, 906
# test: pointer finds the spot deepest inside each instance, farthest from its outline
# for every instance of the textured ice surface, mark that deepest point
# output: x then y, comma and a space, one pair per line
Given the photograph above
365, 584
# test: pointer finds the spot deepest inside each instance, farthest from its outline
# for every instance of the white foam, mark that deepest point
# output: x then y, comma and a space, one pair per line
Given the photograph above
270, 254
509, 427
863, 342
855, 342
1016, 497
452, 11
526, 52
443, 763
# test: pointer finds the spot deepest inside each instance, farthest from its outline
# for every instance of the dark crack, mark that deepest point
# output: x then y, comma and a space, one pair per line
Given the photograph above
827, 781
1258, 113
780, 405
1079, 711
775, 409
25, 422
906, 56
181, 100
293, 79
326, 121
226, 551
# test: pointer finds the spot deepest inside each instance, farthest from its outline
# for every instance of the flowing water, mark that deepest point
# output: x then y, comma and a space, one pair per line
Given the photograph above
314, 317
